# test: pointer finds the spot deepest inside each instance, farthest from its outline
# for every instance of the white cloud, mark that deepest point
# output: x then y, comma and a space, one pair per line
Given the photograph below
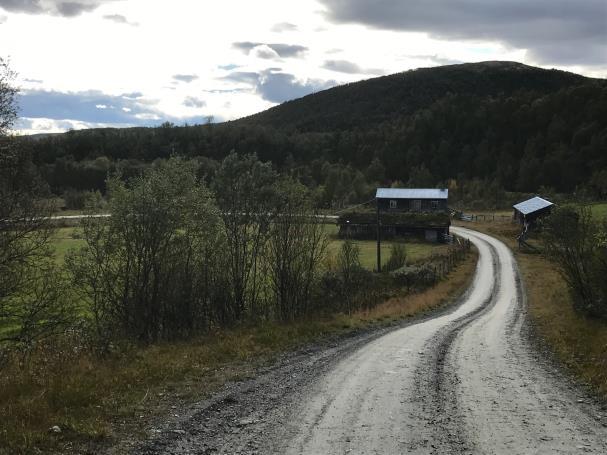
64, 8
188, 48
264, 51
41, 125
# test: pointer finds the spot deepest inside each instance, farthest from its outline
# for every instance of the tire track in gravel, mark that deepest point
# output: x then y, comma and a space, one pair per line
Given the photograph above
511, 397
440, 404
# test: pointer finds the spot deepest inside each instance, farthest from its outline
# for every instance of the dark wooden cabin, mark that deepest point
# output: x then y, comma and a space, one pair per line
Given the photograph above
403, 212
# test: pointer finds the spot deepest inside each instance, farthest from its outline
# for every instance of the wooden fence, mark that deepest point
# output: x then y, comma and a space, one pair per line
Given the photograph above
443, 263
484, 217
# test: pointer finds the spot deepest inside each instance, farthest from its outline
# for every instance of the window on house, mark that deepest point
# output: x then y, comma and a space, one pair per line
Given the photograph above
392, 204
416, 205
434, 205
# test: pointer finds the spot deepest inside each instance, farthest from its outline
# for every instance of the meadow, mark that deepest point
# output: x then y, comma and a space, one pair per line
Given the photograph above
66, 238
417, 250
599, 210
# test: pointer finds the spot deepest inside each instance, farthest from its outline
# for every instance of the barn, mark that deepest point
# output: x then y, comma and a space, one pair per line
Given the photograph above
527, 212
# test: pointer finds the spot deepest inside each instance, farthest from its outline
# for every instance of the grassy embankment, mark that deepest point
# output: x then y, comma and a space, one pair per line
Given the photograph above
96, 402
579, 342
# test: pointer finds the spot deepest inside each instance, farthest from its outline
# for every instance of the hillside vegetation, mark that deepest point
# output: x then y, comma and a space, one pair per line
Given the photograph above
477, 128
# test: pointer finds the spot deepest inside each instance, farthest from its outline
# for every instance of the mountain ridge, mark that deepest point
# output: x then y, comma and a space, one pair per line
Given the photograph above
495, 75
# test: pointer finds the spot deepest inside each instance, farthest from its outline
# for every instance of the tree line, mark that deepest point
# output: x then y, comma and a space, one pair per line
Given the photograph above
517, 129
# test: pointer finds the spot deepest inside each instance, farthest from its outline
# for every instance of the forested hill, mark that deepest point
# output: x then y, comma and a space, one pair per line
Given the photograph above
499, 124
373, 101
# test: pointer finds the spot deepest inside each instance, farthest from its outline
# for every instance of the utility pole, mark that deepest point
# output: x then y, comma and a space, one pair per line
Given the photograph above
378, 238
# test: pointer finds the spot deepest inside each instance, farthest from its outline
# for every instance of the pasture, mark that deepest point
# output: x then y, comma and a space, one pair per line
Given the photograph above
67, 238
416, 250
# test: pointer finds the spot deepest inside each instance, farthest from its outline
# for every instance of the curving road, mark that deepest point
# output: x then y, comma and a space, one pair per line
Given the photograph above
464, 382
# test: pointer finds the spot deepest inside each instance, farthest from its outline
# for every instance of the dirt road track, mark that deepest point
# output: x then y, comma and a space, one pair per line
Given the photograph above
467, 381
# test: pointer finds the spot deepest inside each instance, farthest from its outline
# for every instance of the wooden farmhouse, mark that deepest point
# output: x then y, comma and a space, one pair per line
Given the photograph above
528, 212
401, 212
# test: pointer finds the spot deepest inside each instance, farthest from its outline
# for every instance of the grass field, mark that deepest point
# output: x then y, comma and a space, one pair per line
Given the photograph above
416, 250
599, 210
579, 342
64, 240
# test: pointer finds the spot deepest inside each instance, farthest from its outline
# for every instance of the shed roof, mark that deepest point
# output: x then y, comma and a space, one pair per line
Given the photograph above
411, 193
532, 205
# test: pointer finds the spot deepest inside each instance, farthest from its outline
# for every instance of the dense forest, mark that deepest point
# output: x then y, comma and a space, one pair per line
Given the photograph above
481, 129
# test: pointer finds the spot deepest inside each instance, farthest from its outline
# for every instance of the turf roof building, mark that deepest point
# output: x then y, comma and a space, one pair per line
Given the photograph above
401, 212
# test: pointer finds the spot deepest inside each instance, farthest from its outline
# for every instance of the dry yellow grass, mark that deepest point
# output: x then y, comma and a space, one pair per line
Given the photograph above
98, 401
445, 291
580, 343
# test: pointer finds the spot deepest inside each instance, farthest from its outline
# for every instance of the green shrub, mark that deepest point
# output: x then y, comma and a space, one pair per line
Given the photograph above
397, 259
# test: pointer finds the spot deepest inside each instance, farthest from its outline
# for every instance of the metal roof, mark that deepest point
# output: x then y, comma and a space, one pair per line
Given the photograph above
411, 193
532, 205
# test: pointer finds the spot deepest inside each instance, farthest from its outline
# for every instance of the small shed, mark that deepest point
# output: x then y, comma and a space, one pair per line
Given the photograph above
527, 212
412, 199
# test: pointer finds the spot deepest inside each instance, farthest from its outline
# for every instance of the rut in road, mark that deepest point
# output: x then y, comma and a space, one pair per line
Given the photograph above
467, 381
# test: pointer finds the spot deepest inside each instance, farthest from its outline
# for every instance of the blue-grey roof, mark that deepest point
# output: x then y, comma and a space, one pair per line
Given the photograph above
532, 205
411, 193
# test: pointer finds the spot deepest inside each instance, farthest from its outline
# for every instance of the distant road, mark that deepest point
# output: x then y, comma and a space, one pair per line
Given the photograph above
468, 381
79, 217
107, 215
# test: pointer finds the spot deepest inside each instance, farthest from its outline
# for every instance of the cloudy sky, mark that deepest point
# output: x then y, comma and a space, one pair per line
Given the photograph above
86, 63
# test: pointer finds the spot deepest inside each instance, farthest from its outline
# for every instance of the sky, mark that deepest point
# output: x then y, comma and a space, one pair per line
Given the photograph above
99, 63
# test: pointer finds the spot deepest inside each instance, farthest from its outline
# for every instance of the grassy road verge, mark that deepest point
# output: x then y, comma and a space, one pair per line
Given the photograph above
579, 342
98, 402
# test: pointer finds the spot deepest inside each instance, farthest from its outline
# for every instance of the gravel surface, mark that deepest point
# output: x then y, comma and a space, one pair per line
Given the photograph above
464, 381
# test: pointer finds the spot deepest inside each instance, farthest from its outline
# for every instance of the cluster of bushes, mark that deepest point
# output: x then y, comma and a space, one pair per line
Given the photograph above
420, 275
578, 244
350, 287
177, 258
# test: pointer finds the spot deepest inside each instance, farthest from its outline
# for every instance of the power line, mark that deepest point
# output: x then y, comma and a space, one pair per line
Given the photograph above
350, 208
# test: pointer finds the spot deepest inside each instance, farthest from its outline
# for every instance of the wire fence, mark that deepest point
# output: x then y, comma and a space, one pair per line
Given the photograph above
429, 272
483, 217
443, 263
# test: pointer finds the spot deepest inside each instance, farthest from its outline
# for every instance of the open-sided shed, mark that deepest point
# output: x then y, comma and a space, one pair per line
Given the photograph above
527, 212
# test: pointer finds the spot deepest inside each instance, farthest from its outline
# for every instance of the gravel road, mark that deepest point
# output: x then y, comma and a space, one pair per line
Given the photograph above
464, 381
